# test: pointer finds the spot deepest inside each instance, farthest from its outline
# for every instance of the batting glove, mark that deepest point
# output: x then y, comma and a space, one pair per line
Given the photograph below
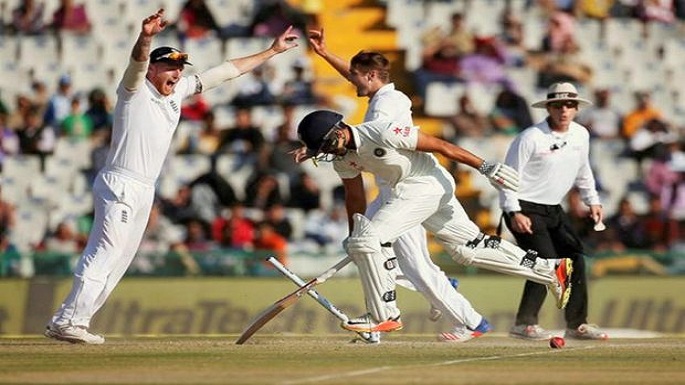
500, 175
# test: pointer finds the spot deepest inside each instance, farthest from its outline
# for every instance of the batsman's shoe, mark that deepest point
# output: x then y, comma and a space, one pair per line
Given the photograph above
435, 313
586, 332
463, 333
562, 287
368, 337
366, 323
72, 334
529, 332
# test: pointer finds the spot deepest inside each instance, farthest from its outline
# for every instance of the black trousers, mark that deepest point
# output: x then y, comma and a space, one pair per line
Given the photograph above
552, 237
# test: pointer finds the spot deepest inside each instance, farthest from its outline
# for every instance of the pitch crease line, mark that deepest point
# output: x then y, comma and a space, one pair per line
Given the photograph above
444, 363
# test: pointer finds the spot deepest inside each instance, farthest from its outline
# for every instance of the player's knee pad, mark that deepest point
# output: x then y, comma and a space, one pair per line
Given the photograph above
377, 268
492, 252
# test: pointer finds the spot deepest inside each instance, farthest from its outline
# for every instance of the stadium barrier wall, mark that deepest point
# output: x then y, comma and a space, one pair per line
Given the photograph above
158, 306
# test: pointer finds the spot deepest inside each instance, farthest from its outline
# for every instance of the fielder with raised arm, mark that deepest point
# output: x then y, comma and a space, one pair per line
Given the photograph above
146, 115
369, 72
422, 192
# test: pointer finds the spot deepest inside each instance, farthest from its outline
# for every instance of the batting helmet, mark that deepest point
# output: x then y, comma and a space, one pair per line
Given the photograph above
314, 127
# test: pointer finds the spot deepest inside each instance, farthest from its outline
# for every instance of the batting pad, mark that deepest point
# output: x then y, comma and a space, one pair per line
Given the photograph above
377, 269
504, 257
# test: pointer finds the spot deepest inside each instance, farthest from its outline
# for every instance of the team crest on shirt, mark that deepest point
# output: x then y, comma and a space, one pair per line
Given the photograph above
379, 152
403, 131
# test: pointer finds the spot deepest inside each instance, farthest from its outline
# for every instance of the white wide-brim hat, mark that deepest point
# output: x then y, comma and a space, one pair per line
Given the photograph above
559, 92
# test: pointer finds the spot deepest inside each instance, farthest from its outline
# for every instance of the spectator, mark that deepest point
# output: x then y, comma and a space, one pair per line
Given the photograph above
256, 90
77, 125
560, 30
35, 137
17, 117
195, 108
276, 216
71, 17
510, 114
245, 139
99, 110
327, 228
98, 156
298, 90
485, 65
8, 214
268, 241
59, 104
656, 223
196, 21
656, 11
210, 135
563, 64
161, 240
180, 208
468, 122
40, 96
439, 63
603, 121
274, 16
9, 140
278, 157
660, 174
197, 238
235, 230
27, 18
512, 38
643, 112
628, 226
305, 193
648, 138
64, 240
262, 191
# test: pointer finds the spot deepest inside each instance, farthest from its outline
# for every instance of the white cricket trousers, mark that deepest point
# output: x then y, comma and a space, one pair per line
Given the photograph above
122, 203
414, 260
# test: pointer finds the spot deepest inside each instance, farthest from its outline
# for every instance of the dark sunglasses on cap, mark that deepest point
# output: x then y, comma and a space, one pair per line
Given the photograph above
175, 56
563, 103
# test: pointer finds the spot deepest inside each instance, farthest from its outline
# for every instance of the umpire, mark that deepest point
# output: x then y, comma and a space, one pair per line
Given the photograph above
551, 158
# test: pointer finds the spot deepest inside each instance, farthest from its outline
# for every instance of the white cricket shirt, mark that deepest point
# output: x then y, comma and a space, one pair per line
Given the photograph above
143, 127
388, 150
388, 104
549, 164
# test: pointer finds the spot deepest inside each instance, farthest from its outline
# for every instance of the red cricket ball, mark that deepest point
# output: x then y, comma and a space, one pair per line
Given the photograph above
557, 342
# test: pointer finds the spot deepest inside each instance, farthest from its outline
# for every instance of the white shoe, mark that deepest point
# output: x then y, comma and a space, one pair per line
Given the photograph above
586, 332
462, 333
73, 334
368, 337
366, 323
529, 332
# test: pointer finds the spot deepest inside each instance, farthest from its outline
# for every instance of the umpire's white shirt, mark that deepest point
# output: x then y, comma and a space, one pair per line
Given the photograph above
144, 125
549, 164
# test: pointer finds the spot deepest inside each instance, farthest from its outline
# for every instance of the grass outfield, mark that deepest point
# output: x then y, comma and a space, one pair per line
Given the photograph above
297, 359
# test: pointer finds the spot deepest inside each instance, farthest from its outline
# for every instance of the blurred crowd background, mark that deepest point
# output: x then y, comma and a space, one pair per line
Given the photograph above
230, 194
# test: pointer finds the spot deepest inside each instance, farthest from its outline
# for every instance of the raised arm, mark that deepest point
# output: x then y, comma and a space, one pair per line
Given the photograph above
140, 55
318, 44
233, 68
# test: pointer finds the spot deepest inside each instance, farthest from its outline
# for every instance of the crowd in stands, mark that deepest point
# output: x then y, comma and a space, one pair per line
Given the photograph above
231, 186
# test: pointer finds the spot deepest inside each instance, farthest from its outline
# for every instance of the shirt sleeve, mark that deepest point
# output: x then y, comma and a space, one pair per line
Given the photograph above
585, 181
517, 156
400, 137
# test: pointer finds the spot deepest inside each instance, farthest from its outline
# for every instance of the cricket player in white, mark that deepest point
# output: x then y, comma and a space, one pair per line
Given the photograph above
369, 72
146, 115
422, 192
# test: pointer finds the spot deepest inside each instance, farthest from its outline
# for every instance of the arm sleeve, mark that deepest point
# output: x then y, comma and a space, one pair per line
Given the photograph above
517, 157
585, 181
134, 74
216, 75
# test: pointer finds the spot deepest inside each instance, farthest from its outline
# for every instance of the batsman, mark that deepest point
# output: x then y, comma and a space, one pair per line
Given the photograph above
422, 192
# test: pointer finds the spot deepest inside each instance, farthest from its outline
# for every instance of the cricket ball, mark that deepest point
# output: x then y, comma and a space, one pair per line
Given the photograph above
557, 342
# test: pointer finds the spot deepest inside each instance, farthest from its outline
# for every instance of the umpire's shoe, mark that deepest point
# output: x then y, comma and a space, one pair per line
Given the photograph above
73, 334
366, 323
